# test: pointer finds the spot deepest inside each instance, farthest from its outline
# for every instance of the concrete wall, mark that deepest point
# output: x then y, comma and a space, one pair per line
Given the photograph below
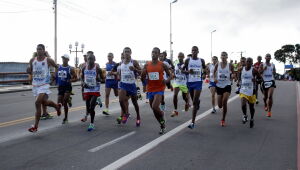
13, 67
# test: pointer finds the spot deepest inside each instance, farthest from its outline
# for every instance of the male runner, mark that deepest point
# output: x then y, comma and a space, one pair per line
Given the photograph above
156, 85
222, 75
195, 67
64, 76
247, 81
128, 86
163, 59
268, 72
91, 77
212, 85
39, 69
180, 85
111, 82
258, 78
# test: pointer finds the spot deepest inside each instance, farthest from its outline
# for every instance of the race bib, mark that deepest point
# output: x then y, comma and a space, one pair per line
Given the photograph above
90, 81
153, 76
222, 77
268, 84
109, 76
196, 73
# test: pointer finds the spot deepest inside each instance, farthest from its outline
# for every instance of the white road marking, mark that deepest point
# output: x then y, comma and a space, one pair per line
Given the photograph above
131, 156
111, 142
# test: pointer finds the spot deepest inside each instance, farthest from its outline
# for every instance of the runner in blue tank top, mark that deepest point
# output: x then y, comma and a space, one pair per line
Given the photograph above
64, 76
110, 82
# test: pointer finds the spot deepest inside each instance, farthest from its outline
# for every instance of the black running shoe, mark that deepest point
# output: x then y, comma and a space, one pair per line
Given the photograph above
251, 123
245, 119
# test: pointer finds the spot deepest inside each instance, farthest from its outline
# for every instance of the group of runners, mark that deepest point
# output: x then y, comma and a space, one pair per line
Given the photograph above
156, 75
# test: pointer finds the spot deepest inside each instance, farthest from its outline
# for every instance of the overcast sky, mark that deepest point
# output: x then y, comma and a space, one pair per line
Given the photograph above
254, 26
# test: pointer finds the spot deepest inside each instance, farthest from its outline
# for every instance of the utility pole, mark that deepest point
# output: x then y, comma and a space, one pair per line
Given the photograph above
171, 42
55, 29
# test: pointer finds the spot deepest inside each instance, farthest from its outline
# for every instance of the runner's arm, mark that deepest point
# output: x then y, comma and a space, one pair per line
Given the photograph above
203, 68
232, 71
185, 67
73, 75
168, 73
29, 68
215, 73
144, 73
137, 67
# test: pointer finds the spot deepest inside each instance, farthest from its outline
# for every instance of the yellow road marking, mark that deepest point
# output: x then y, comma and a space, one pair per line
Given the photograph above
14, 122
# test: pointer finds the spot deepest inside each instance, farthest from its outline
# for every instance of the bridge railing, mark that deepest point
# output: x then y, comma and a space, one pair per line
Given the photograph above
15, 78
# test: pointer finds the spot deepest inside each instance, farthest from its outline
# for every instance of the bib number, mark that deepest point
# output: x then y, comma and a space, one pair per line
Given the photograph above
90, 81
153, 76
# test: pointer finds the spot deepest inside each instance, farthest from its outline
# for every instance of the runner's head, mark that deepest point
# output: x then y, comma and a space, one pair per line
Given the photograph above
85, 57
161, 57
91, 59
249, 62
224, 56
195, 51
235, 62
65, 59
110, 56
259, 58
155, 53
214, 59
164, 53
268, 57
127, 54
181, 57
40, 49
243, 61
122, 56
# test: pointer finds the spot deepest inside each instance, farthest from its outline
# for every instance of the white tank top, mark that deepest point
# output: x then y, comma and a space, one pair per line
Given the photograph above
268, 73
40, 72
247, 83
196, 65
127, 76
223, 76
211, 72
90, 80
180, 78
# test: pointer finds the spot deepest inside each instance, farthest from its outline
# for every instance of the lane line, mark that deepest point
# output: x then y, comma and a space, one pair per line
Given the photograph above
142, 150
111, 142
298, 127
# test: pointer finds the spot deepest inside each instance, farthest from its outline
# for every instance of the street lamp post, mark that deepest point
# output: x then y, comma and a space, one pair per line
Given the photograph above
171, 42
76, 51
211, 33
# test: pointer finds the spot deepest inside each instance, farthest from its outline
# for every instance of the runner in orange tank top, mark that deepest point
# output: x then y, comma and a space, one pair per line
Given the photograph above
156, 85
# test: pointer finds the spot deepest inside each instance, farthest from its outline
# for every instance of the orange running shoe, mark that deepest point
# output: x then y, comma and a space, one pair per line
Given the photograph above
222, 123
175, 113
33, 129
269, 114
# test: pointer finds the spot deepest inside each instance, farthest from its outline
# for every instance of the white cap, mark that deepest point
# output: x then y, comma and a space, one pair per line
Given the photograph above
65, 56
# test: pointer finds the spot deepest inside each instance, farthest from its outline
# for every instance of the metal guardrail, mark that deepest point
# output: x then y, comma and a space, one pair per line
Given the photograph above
28, 80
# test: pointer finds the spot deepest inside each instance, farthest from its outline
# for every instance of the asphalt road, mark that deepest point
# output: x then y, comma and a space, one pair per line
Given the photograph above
271, 144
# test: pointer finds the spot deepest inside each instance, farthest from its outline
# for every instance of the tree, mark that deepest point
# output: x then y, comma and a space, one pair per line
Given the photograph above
288, 53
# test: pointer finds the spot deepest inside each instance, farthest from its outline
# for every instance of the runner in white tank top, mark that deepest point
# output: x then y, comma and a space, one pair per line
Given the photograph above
268, 71
246, 80
222, 74
38, 68
212, 85
194, 67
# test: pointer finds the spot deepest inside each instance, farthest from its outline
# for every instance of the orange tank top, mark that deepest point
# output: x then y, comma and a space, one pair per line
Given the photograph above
155, 77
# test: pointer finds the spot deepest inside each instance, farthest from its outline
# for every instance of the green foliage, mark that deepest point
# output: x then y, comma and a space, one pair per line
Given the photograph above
288, 53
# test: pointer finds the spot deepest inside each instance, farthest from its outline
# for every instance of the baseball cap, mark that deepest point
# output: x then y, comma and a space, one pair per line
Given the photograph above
65, 56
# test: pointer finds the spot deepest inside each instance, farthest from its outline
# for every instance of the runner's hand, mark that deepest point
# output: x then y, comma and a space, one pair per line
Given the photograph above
132, 68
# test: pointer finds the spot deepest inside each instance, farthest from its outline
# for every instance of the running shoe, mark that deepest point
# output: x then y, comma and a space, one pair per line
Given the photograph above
162, 107
99, 102
46, 116
65, 121
32, 129
191, 126
187, 107
84, 119
245, 119
175, 113
251, 123
125, 118
162, 130
213, 111
222, 123
119, 120
138, 123
257, 101
91, 127
58, 109
105, 112
269, 114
